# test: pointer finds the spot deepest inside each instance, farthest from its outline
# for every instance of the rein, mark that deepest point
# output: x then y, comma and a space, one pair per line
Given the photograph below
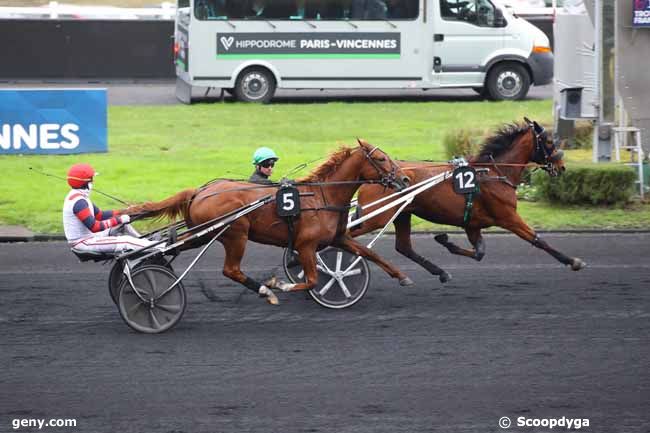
278, 184
490, 164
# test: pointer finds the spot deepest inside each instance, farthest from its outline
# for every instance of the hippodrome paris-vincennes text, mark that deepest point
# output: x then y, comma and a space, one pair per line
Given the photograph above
320, 43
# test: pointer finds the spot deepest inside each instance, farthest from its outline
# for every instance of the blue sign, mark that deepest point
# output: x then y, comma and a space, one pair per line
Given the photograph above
641, 17
53, 121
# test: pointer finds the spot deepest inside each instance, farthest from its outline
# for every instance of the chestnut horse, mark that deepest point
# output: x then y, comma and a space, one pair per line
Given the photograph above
325, 200
505, 155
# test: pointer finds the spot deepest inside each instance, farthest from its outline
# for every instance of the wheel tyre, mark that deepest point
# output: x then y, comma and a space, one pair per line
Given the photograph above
481, 91
334, 297
160, 315
291, 265
508, 81
116, 276
356, 284
255, 85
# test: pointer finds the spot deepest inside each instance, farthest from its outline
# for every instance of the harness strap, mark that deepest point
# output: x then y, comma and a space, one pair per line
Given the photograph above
292, 232
469, 205
340, 209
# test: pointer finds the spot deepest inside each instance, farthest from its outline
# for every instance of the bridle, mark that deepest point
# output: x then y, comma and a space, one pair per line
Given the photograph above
388, 179
543, 155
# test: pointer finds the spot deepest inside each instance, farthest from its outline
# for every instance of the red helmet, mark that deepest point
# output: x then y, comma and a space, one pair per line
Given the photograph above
80, 174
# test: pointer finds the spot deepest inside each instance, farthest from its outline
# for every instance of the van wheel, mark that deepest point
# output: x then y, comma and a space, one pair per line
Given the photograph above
255, 85
508, 81
481, 91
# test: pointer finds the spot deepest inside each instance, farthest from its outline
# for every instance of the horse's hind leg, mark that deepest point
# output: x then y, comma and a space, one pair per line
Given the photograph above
403, 246
348, 244
235, 245
517, 225
475, 238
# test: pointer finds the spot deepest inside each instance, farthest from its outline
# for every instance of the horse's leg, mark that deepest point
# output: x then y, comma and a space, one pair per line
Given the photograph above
307, 258
235, 247
347, 243
475, 238
403, 246
517, 225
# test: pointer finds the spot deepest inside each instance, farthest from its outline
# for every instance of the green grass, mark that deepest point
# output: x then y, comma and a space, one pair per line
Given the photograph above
156, 151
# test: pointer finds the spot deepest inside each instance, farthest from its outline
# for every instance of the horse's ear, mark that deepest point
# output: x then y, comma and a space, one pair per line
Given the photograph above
362, 142
528, 121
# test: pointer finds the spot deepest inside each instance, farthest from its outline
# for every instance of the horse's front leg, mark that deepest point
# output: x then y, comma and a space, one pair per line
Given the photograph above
517, 225
347, 243
475, 238
307, 258
403, 246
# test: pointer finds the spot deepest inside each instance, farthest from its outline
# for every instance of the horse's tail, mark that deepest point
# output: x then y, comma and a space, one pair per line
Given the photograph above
171, 207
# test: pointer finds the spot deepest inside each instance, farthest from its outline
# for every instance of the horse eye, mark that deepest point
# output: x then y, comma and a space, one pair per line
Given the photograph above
382, 159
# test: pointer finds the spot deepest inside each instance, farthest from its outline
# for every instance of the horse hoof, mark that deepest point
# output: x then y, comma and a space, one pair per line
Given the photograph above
406, 282
284, 286
577, 264
269, 295
442, 238
445, 277
271, 283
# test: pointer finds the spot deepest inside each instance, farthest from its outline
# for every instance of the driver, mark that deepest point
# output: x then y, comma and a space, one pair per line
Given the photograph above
87, 228
264, 160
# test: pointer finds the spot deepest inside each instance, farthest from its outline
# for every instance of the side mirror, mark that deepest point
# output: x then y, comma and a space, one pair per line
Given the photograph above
499, 20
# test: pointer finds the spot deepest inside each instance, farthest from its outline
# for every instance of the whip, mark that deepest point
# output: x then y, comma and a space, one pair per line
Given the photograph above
96, 190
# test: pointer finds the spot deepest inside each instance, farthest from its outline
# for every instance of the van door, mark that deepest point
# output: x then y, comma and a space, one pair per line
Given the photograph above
466, 35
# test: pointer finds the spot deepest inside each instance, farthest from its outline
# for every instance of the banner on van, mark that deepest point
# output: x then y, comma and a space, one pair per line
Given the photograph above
308, 45
52, 121
641, 13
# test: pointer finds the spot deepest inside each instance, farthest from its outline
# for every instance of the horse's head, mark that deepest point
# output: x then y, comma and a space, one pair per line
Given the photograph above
545, 153
380, 167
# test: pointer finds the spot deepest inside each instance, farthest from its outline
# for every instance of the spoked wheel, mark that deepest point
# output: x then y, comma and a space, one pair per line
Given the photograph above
154, 308
343, 278
116, 275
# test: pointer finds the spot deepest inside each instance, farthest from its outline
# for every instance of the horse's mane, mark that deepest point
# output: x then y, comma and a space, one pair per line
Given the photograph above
500, 142
335, 160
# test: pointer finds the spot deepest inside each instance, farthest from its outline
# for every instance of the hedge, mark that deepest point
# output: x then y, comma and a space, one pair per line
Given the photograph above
463, 142
597, 184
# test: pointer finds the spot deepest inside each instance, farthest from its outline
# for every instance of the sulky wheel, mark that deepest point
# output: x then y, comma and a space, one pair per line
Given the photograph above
115, 280
116, 275
154, 308
292, 267
338, 287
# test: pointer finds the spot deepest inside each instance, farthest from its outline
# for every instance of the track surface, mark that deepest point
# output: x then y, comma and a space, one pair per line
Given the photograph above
515, 335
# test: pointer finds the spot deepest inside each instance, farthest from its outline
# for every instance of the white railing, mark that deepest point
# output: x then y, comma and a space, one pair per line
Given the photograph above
55, 10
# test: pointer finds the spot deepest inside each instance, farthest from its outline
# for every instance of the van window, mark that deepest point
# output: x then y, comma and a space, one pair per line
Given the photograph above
330, 10
183, 4
478, 12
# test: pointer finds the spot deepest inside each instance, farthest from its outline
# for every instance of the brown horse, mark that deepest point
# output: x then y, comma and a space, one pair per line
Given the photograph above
505, 156
325, 200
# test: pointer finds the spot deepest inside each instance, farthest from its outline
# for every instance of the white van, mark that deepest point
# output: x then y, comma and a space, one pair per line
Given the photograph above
250, 48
